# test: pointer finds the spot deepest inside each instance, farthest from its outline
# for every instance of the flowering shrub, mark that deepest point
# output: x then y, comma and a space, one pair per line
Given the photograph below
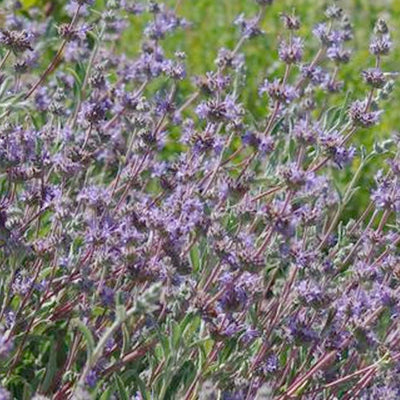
158, 246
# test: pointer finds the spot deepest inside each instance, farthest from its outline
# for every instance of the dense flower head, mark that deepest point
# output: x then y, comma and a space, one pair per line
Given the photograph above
278, 91
290, 21
291, 52
315, 74
386, 195
374, 77
332, 143
361, 116
380, 45
17, 41
248, 27
334, 12
338, 54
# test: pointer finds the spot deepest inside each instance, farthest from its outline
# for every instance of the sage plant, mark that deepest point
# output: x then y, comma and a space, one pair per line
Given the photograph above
160, 242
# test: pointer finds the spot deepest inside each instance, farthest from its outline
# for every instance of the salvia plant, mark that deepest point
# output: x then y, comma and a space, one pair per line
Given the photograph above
161, 244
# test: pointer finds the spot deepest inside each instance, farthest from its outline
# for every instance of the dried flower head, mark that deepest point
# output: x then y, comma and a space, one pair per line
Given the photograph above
291, 21
16, 41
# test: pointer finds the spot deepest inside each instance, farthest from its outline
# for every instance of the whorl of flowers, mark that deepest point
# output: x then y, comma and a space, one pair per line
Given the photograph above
159, 240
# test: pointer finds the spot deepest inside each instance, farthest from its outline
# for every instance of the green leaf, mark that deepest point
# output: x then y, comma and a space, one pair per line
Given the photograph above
125, 339
78, 80
27, 395
106, 395
87, 335
195, 258
51, 367
123, 394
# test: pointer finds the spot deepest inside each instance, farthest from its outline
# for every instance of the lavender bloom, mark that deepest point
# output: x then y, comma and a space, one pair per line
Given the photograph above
386, 196
165, 21
326, 36
4, 394
361, 116
250, 335
94, 112
290, 22
42, 99
334, 12
294, 177
6, 344
217, 111
236, 294
18, 42
380, 45
314, 73
301, 332
278, 92
272, 363
91, 379
107, 296
305, 132
332, 144
291, 52
70, 34
248, 27
374, 77
228, 59
338, 54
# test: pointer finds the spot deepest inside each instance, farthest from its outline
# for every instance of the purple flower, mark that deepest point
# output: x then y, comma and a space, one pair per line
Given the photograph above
248, 27
386, 195
250, 335
107, 296
338, 54
301, 332
278, 92
291, 52
16, 41
42, 99
290, 22
272, 364
361, 116
315, 74
216, 111
334, 12
380, 45
294, 177
374, 77
4, 394
333, 145
305, 132
6, 344
91, 379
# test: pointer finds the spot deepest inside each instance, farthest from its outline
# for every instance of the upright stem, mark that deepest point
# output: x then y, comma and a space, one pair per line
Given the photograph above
3, 61
56, 58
